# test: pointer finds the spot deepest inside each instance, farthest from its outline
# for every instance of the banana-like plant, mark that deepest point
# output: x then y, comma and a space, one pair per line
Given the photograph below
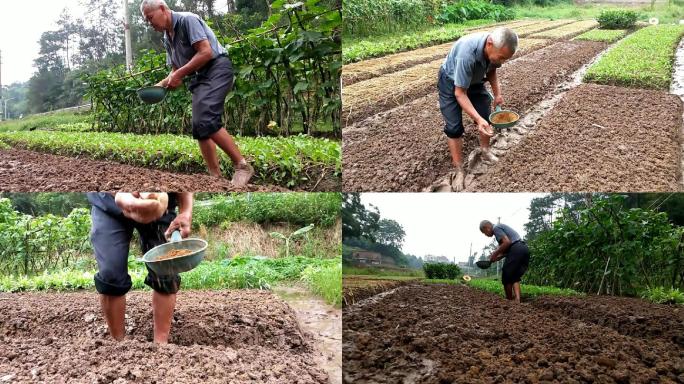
287, 239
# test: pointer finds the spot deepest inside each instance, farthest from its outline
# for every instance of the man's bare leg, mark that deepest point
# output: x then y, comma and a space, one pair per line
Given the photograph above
225, 141
114, 309
456, 150
243, 171
208, 149
487, 154
162, 314
516, 290
509, 291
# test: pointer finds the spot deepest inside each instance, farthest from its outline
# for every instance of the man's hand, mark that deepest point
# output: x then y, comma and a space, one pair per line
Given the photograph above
163, 83
182, 223
144, 208
498, 100
484, 127
174, 80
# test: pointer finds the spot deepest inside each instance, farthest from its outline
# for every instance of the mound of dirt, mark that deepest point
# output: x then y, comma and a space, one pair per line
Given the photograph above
216, 336
455, 334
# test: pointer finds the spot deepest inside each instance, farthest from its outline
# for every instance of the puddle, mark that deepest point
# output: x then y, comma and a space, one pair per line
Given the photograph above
321, 320
677, 88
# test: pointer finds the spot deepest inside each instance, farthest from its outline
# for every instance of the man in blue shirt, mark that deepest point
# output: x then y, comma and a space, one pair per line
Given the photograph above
473, 59
514, 249
193, 50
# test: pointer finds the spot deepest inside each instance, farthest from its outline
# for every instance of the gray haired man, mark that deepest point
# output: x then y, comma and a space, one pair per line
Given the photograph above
473, 59
514, 249
193, 51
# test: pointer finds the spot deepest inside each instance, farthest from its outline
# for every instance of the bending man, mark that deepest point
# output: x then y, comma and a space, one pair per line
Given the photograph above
517, 255
472, 60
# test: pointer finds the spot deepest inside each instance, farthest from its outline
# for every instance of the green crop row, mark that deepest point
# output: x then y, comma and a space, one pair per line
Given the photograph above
56, 121
644, 59
280, 160
235, 273
526, 290
376, 46
607, 35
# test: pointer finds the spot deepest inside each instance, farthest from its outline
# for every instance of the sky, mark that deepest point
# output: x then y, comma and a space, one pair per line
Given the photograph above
446, 224
21, 25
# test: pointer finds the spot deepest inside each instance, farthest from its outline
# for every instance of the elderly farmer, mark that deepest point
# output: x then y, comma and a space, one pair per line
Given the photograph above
473, 59
193, 51
113, 220
514, 249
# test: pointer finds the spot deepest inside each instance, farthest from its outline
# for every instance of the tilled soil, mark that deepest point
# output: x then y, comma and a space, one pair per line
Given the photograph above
597, 138
456, 334
28, 171
404, 149
216, 336
628, 316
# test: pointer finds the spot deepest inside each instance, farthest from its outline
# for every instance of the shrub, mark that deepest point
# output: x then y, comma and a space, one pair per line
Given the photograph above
660, 295
617, 19
441, 271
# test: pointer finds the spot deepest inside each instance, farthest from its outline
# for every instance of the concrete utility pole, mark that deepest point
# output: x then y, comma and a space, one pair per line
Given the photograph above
127, 37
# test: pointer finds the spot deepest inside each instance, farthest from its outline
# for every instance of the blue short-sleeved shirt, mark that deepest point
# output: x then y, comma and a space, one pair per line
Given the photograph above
501, 230
188, 29
466, 63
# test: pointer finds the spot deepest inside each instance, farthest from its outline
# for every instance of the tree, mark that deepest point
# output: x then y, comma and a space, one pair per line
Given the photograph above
390, 233
357, 220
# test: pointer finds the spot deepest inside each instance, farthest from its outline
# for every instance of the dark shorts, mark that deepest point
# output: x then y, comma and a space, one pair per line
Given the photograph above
111, 236
451, 110
517, 261
209, 88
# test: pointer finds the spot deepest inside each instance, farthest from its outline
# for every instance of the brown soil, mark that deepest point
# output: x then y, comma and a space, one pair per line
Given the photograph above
357, 288
504, 118
28, 171
219, 336
404, 149
455, 334
628, 316
597, 138
174, 253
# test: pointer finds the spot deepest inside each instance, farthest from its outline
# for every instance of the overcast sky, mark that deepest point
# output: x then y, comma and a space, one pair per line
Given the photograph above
446, 223
23, 22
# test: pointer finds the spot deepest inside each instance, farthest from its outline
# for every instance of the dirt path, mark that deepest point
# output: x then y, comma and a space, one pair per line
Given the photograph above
404, 149
28, 171
598, 138
217, 336
455, 334
323, 322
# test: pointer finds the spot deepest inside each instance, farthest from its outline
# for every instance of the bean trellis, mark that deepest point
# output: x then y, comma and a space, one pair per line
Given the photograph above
287, 80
